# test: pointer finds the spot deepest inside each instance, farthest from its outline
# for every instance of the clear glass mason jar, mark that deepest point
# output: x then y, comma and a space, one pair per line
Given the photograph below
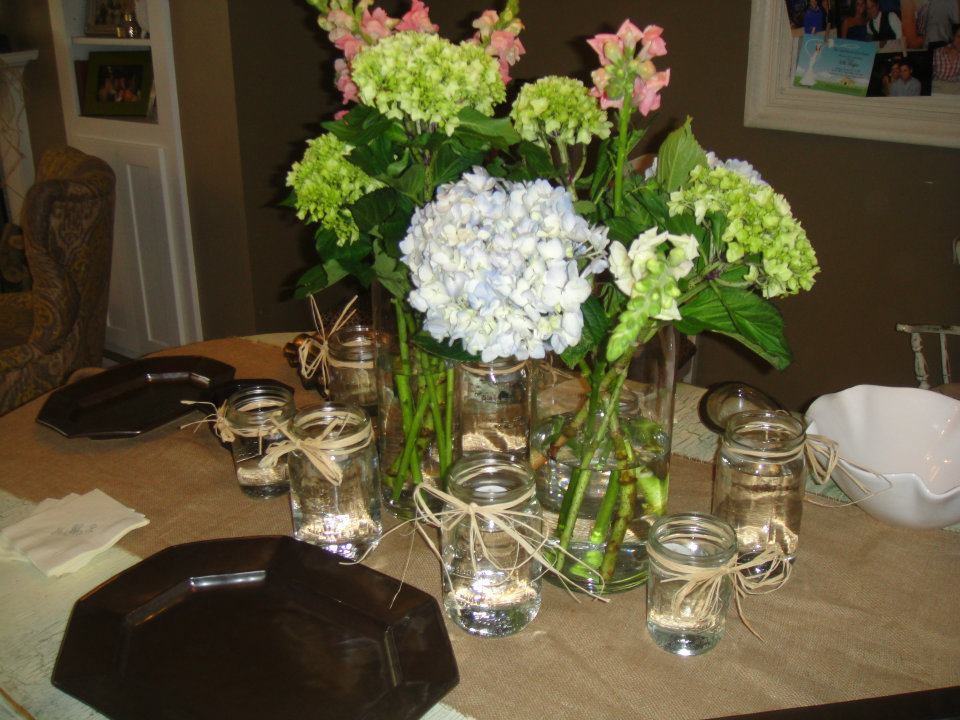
759, 480
494, 406
256, 415
681, 618
353, 375
342, 518
491, 586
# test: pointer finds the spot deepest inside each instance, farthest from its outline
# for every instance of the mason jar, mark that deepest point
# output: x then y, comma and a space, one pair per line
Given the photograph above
335, 502
257, 416
491, 585
352, 373
759, 481
494, 406
686, 616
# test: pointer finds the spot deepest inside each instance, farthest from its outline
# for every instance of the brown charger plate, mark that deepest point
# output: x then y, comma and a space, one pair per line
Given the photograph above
265, 627
130, 399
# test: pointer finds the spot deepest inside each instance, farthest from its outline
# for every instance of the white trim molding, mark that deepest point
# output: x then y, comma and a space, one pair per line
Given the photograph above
773, 102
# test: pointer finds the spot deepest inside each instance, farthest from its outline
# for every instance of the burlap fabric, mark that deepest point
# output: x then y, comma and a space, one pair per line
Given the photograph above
870, 610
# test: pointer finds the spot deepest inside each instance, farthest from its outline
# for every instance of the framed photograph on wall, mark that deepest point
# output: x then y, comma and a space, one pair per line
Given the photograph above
117, 84
103, 16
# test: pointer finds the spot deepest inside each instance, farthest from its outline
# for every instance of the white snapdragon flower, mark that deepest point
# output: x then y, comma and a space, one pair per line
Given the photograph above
502, 266
652, 265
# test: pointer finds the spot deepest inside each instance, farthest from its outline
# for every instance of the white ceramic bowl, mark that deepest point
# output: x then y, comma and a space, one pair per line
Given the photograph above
910, 436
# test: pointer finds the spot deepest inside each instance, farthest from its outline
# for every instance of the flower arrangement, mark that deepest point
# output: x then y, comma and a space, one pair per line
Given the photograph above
529, 232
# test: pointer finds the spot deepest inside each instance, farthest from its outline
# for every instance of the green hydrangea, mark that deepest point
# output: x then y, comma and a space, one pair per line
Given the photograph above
424, 78
759, 223
325, 183
560, 108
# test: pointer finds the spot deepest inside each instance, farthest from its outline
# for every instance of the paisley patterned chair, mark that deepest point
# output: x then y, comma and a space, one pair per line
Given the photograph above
58, 326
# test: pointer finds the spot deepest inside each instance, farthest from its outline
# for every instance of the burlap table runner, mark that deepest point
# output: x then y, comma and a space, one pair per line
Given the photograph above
870, 610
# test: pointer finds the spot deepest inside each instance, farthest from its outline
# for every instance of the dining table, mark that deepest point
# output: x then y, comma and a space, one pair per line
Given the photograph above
870, 610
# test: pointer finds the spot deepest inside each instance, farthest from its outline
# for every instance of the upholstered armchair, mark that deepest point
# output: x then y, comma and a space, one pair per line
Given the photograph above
59, 324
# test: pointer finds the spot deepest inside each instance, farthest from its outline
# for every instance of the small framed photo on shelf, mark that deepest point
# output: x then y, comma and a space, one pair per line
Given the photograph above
118, 83
103, 16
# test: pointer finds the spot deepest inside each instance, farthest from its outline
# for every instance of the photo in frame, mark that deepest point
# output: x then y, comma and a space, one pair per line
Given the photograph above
118, 84
103, 16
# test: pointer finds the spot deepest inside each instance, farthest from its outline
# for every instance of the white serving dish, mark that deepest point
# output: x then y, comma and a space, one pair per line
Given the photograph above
910, 436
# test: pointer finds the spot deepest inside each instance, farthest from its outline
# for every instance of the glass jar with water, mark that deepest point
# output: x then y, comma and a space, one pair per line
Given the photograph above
491, 584
759, 480
334, 487
257, 416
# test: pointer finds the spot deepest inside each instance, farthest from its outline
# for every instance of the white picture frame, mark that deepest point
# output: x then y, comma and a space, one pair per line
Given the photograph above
773, 102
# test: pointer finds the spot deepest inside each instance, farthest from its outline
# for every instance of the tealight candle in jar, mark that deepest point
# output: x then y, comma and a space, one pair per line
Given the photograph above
491, 585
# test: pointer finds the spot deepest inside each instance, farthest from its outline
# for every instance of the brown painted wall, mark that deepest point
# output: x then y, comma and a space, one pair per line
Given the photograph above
208, 121
27, 24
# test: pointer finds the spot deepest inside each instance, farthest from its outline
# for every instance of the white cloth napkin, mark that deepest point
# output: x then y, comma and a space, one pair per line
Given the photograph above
61, 536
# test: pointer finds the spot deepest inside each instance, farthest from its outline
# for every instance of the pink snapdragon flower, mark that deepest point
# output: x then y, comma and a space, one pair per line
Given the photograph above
341, 23
627, 69
377, 25
646, 93
349, 45
345, 83
507, 48
500, 39
417, 19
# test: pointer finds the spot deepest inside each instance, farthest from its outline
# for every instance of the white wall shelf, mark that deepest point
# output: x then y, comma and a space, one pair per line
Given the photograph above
153, 286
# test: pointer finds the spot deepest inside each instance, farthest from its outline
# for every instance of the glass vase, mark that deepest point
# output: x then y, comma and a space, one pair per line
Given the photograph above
258, 416
494, 407
601, 459
417, 420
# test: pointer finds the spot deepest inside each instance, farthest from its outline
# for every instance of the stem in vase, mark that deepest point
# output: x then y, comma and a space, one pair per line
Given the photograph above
408, 458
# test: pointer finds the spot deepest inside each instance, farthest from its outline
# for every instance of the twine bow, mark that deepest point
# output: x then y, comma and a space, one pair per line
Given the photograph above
314, 352
524, 528
227, 431
706, 584
823, 458
319, 449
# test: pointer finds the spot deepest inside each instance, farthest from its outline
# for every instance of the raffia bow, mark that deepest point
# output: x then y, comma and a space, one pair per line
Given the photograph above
227, 431
314, 352
318, 450
706, 584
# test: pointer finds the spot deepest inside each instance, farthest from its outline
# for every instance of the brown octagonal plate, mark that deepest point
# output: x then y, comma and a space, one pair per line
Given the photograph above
265, 627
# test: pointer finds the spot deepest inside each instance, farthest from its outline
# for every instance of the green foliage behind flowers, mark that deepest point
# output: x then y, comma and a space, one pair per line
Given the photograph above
325, 184
759, 228
427, 79
560, 109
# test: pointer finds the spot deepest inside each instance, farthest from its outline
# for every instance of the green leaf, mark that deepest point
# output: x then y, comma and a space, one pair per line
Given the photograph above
411, 183
391, 273
373, 208
536, 160
623, 229
679, 154
595, 326
325, 241
584, 207
319, 277
448, 164
498, 131
601, 173
290, 200
363, 124
375, 159
742, 315
442, 349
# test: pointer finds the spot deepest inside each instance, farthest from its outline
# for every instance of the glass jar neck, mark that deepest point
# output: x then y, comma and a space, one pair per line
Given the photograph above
356, 343
489, 479
694, 539
337, 423
764, 430
260, 405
